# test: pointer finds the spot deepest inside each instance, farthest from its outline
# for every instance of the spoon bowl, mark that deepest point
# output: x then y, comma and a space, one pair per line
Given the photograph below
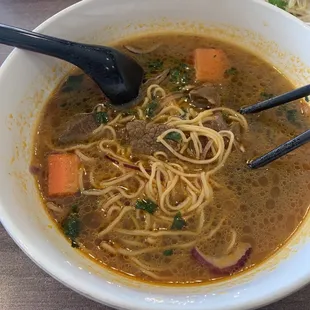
118, 75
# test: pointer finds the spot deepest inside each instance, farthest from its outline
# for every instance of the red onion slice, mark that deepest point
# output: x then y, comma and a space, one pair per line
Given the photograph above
129, 166
226, 264
156, 80
137, 50
173, 96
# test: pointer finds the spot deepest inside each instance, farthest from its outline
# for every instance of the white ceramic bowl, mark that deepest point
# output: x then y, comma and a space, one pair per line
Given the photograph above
26, 81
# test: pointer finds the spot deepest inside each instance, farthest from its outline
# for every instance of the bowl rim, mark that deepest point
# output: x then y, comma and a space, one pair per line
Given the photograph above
83, 288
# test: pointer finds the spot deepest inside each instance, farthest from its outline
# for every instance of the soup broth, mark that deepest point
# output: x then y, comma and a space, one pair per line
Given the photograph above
164, 193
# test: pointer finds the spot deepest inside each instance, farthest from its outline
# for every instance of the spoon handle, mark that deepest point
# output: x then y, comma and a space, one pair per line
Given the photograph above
118, 76
40, 43
72, 52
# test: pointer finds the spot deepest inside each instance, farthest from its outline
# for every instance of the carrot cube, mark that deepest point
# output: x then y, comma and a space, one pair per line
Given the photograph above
210, 64
63, 174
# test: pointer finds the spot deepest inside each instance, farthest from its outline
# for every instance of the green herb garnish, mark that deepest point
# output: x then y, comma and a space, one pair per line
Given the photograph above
181, 75
71, 226
168, 252
155, 65
266, 96
231, 71
178, 222
72, 83
146, 205
279, 3
174, 136
101, 117
151, 109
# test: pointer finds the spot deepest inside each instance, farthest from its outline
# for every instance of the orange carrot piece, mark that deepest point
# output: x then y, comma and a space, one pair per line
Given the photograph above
63, 174
210, 64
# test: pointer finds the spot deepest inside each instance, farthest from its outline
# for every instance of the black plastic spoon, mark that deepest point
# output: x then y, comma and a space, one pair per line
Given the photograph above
118, 76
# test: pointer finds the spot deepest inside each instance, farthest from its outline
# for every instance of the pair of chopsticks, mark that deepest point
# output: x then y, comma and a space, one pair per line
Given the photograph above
288, 146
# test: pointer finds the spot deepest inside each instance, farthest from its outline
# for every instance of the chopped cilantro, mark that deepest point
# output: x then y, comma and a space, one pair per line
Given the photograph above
168, 252
266, 96
178, 222
174, 136
155, 65
151, 109
181, 75
71, 226
146, 205
101, 117
231, 71
279, 3
72, 83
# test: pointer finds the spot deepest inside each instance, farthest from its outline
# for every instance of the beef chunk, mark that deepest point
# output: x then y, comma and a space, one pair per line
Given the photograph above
142, 137
78, 128
218, 124
205, 96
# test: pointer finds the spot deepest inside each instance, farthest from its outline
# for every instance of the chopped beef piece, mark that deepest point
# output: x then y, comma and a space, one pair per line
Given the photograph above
218, 124
205, 96
79, 128
142, 137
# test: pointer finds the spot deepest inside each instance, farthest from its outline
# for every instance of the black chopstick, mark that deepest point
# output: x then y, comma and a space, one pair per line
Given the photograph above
280, 151
276, 101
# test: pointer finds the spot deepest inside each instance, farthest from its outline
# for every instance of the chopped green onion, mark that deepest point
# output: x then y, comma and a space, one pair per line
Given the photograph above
168, 252
231, 71
279, 3
178, 222
174, 136
151, 109
146, 205
181, 75
155, 65
71, 226
101, 117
